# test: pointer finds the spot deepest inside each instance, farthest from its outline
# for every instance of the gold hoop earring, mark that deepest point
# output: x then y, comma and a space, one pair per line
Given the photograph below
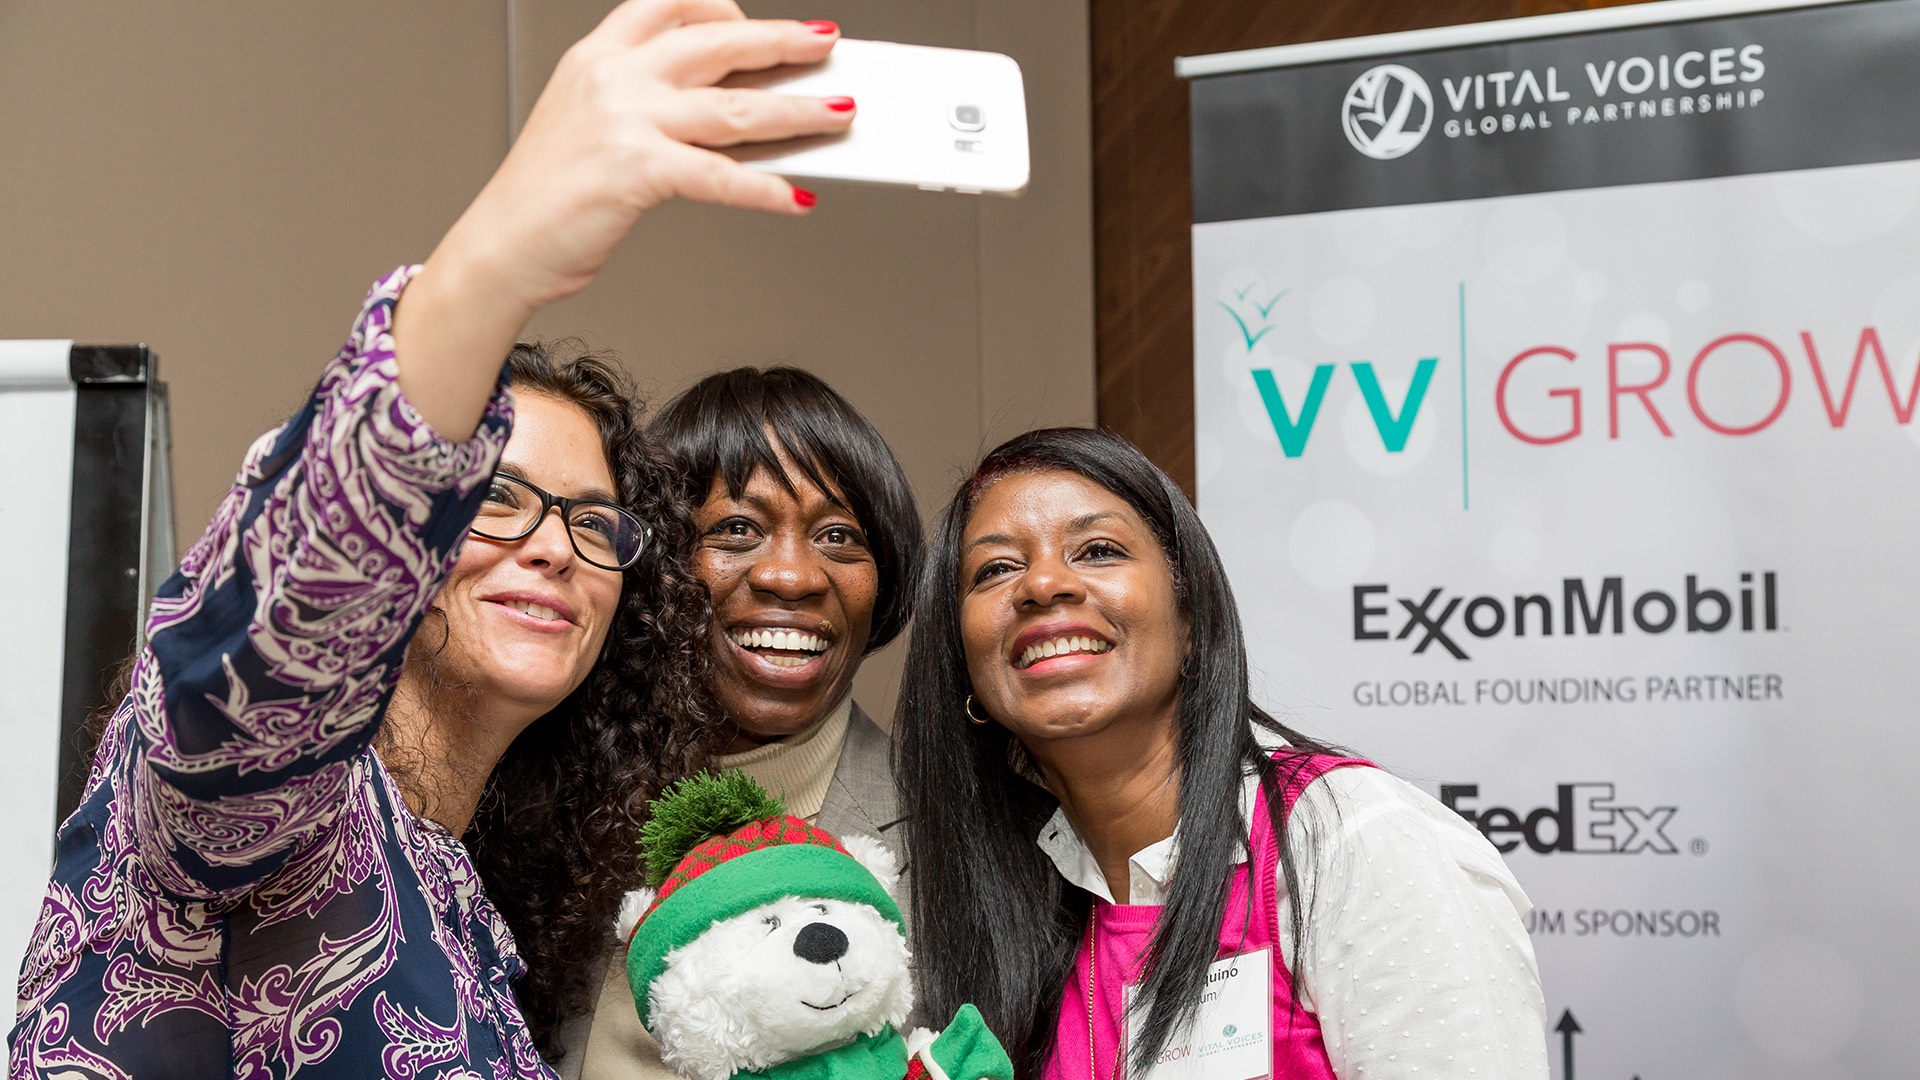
974, 716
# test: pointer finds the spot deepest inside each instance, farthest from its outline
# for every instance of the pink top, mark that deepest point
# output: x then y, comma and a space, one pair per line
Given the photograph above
1122, 932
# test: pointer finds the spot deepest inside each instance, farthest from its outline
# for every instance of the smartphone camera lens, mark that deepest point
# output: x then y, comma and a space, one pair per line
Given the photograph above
966, 118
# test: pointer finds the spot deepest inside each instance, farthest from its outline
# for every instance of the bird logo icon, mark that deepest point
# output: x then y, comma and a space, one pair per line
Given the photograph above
1387, 111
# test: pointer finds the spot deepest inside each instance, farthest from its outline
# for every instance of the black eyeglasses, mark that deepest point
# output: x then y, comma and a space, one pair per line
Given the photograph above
603, 534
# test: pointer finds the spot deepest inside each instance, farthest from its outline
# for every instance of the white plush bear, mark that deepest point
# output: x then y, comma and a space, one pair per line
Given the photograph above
766, 948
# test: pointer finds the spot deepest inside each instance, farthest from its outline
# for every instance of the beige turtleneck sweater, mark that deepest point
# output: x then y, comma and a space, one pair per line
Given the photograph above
797, 769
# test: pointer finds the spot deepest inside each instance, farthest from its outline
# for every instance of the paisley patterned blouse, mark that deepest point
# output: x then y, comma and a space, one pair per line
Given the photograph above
242, 891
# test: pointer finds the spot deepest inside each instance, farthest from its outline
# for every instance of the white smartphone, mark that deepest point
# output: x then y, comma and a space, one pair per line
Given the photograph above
939, 119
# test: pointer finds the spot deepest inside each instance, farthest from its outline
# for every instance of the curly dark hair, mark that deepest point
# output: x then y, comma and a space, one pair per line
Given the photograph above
556, 834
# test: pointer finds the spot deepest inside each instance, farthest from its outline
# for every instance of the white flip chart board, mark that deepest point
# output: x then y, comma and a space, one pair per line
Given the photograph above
86, 527
37, 398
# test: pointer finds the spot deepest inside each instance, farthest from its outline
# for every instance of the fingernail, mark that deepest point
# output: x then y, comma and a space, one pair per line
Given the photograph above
822, 26
803, 197
839, 104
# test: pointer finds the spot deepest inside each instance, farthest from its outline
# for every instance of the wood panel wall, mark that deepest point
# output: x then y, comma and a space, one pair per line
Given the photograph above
1142, 189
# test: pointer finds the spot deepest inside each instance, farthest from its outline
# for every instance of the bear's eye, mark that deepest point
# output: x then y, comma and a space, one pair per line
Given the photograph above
772, 923
821, 908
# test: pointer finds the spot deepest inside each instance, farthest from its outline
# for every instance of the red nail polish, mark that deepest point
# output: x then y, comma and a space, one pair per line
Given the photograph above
803, 197
839, 104
822, 26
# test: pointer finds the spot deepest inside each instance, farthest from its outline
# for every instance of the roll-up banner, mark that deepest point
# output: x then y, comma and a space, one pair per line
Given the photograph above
1555, 385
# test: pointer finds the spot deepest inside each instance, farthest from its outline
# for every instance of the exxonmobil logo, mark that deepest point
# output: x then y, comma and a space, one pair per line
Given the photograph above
1437, 617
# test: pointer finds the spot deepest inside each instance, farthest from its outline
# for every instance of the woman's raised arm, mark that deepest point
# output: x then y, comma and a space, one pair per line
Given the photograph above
276, 648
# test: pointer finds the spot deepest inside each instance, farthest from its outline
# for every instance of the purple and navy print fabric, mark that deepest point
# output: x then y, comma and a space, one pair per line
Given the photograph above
242, 891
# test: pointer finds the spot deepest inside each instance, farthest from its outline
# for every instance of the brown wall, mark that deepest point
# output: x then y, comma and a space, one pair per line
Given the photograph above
222, 181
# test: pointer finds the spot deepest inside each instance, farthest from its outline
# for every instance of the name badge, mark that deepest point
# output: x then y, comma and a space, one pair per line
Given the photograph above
1232, 1034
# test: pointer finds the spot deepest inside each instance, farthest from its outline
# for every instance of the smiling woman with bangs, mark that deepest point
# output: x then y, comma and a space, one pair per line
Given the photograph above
808, 541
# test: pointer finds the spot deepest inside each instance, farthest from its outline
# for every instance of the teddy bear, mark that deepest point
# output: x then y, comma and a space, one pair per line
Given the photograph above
763, 948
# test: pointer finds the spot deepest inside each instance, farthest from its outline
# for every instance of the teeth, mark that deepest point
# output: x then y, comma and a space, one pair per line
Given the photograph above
538, 611
783, 640
1061, 646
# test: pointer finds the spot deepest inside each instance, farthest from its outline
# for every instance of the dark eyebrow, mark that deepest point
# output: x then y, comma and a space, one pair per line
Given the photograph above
592, 494
820, 507
1084, 521
752, 502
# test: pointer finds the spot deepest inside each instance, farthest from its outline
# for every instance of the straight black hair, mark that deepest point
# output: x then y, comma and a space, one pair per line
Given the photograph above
719, 426
995, 923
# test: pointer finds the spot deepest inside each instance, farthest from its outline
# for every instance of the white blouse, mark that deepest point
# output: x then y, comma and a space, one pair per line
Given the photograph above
1416, 962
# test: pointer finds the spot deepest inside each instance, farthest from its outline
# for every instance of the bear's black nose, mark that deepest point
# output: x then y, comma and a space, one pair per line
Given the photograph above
820, 943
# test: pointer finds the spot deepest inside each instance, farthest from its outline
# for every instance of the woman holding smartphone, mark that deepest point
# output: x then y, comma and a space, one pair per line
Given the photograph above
414, 574
1111, 839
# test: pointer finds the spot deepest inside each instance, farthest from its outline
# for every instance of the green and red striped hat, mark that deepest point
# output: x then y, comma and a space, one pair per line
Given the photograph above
720, 846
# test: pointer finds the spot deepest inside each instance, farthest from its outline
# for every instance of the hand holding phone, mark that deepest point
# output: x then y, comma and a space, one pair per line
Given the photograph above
928, 117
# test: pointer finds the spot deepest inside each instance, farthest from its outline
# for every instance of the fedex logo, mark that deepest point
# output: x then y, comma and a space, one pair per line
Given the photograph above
1584, 819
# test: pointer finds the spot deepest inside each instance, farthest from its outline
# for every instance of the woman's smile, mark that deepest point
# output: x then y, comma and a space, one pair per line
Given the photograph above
783, 653
1057, 646
542, 612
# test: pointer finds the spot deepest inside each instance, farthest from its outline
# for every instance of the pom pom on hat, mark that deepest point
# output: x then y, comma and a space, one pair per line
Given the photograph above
696, 809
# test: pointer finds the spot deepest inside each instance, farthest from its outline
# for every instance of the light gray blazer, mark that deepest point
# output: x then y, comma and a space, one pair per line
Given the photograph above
861, 796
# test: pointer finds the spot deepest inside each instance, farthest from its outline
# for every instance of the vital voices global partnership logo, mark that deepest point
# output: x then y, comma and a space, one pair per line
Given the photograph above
1389, 108
1387, 111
